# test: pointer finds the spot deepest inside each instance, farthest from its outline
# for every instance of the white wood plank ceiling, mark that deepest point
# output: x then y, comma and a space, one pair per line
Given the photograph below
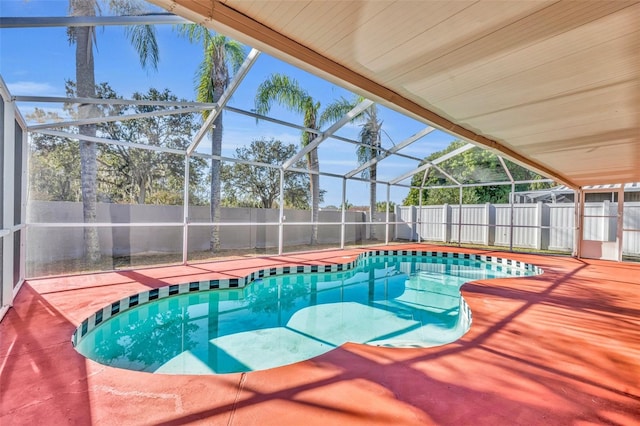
553, 85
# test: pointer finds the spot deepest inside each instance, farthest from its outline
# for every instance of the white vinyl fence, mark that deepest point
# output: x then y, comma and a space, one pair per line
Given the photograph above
536, 226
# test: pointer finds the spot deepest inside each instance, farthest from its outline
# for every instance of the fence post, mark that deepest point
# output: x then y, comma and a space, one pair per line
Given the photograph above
446, 224
343, 214
492, 222
487, 223
185, 212
605, 220
386, 220
538, 224
396, 210
414, 228
545, 226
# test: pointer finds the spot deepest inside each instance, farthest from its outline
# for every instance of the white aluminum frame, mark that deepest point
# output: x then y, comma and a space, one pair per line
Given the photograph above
9, 228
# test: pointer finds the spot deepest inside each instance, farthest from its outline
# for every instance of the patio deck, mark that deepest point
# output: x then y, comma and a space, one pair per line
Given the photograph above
559, 348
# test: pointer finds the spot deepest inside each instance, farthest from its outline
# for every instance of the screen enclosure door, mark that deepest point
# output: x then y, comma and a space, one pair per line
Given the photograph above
602, 213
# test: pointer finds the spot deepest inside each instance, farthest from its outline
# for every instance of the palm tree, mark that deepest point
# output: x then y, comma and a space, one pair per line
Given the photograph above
371, 142
84, 37
288, 93
219, 55
370, 137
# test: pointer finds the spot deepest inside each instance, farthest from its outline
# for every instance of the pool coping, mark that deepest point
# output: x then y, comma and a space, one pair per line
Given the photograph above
138, 299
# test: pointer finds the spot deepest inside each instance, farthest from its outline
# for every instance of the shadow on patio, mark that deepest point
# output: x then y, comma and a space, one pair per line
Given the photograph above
558, 348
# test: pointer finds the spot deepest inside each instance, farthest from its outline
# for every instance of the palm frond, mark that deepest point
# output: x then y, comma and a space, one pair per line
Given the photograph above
236, 53
204, 81
194, 33
143, 38
370, 137
218, 51
283, 90
336, 110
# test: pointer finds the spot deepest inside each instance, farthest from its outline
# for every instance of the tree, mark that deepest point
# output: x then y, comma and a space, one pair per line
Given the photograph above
381, 206
370, 137
346, 205
143, 39
54, 163
124, 174
220, 54
289, 94
146, 176
257, 186
472, 166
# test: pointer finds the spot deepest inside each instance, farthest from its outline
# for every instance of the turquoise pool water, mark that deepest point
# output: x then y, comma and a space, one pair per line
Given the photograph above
394, 301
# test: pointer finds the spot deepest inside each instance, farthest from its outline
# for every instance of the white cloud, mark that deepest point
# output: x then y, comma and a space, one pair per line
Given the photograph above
33, 88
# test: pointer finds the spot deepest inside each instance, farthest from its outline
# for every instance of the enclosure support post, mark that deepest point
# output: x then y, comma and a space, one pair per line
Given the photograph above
511, 197
418, 216
460, 217
386, 231
8, 235
23, 210
620, 221
185, 213
281, 215
343, 213
579, 222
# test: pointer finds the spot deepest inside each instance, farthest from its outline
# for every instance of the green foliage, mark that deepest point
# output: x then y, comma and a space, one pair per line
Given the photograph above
142, 37
288, 93
54, 164
472, 166
346, 205
381, 206
249, 185
125, 174
219, 54
137, 175
370, 138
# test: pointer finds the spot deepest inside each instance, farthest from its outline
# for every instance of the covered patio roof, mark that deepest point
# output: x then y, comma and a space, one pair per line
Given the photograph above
554, 86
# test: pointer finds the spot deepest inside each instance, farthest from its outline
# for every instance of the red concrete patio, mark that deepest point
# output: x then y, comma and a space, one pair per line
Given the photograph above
561, 348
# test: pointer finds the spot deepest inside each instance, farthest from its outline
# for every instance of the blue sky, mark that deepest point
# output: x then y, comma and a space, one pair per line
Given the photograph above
37, 61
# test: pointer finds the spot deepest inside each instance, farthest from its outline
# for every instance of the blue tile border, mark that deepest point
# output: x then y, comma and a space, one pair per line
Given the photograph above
128, 302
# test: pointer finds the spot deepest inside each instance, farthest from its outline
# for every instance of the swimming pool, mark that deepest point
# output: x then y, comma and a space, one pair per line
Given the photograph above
289, 314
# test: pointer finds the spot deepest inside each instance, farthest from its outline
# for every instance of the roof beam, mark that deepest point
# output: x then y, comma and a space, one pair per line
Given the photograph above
95, 139
310, 130
260, 117
428, 164
91, 21
110, 118
504, 183
506, 169
222, 102
451, 178
357, 110
396, 148
109, 101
